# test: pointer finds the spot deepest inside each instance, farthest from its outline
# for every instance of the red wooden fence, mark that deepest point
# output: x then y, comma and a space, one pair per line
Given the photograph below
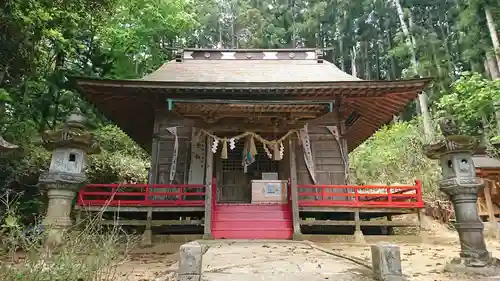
409, 196
141, 195
193, 195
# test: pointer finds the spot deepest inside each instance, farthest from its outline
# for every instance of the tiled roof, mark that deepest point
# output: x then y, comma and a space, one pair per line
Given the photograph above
248, 71
288, 75
486, 162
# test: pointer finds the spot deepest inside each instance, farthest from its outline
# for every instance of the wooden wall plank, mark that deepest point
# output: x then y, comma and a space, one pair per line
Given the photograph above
328, 162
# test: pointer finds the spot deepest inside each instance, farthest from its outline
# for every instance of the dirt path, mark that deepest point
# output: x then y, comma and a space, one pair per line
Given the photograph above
424, 262
421, 262
268, 261
146, 264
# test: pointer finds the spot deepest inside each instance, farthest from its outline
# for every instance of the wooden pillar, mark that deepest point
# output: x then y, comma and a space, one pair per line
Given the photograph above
297, 234
147, 236
155, 150
388, 230
208, 190
358, 234
491, 212
422, 227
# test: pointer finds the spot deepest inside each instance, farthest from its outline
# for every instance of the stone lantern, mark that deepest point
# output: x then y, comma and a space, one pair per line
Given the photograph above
6, 147
462, 186
69, 145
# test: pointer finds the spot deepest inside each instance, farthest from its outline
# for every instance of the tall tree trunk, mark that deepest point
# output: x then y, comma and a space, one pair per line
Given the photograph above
377, 60
3, 74
55, 90
496, 105
293, 39
491, 66
233, 36
444, 35
342, 59
393, 71
367, 69
353, 62
422, 97
493, 33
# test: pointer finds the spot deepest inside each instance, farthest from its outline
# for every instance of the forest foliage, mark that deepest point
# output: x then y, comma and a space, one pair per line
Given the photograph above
45, 43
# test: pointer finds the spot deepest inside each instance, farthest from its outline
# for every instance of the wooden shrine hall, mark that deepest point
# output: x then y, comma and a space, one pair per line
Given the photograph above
251, 144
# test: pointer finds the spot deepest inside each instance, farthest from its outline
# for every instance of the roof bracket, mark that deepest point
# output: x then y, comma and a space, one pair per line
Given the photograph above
352, 118
179, 56
319, 56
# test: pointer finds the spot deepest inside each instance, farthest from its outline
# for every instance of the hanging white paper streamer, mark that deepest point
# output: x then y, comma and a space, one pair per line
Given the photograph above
198, 155
306, 149
335, 132
173, 165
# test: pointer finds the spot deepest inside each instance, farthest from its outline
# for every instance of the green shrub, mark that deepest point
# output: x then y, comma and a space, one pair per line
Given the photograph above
394, 155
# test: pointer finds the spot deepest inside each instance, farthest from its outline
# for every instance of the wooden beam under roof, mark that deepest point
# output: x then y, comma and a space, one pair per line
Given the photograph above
131, 104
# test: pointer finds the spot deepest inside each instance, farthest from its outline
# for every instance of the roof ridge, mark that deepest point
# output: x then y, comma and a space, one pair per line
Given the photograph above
249, 54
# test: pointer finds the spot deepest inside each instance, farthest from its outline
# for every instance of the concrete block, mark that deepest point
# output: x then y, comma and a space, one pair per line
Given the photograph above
297, 237
492, 278
147, 237
386, 262
359, 237
190, 262
193, 277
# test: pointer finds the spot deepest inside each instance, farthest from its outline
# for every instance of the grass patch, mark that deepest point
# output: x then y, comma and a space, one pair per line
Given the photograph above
89, 252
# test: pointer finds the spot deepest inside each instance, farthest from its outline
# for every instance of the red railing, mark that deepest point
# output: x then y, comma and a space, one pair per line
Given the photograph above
409, 196
142, 195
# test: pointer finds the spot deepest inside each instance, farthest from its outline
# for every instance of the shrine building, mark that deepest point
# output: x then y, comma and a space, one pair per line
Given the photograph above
251, 144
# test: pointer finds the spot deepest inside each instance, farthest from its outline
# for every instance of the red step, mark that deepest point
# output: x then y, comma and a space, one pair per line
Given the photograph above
267, 234
252, 207
252, 215
251, 225
252, 221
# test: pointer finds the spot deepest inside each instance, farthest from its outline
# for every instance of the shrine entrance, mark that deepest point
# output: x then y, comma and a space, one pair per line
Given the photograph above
234, 180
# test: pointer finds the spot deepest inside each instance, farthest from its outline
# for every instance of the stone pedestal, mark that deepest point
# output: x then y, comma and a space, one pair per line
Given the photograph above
190, 262
297, 236
58, 217
468, 224
147, 237
386, 262
359, 237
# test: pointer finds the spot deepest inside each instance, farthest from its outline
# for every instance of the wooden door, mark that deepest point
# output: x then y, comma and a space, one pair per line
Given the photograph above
233, 183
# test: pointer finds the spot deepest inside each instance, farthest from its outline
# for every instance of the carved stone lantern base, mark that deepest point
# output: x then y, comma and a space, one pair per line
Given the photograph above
60, 194
468, 265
